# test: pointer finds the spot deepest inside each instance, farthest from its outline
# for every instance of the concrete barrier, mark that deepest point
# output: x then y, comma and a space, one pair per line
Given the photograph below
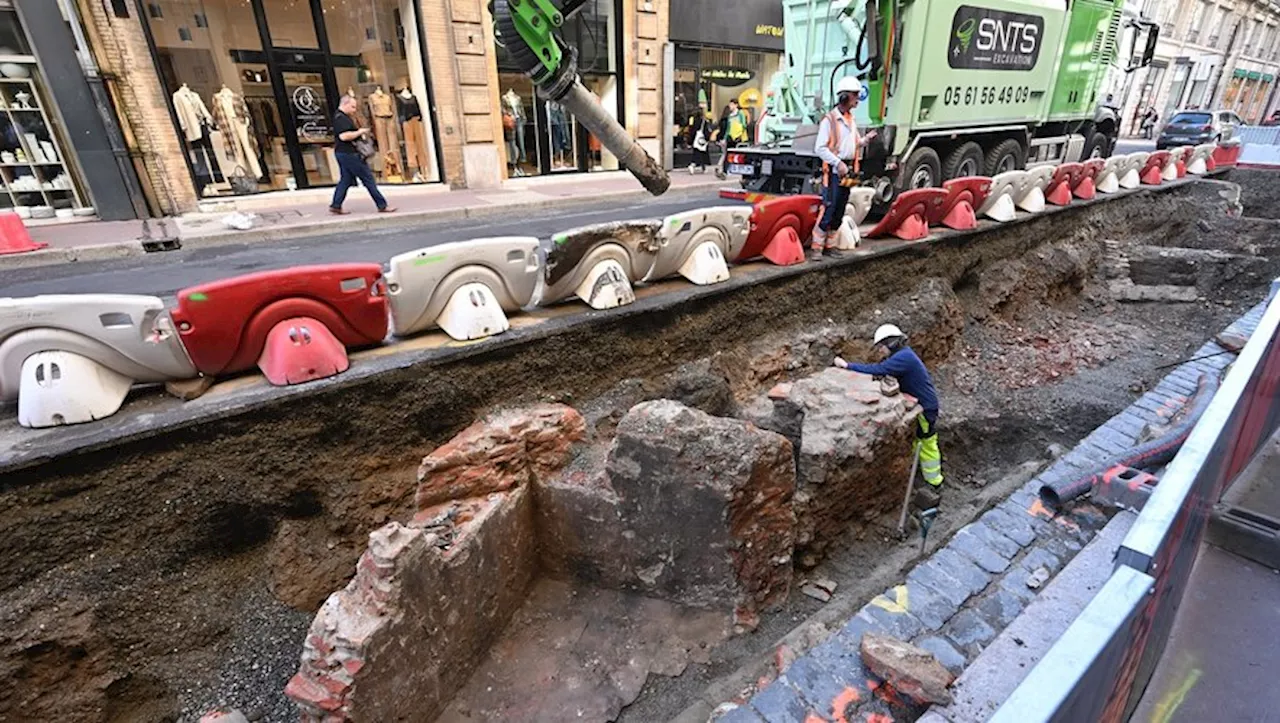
1098, 670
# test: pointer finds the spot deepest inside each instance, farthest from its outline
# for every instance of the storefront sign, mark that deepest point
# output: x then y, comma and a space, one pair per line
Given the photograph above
987, 39
725, 75
753, 24
309, 115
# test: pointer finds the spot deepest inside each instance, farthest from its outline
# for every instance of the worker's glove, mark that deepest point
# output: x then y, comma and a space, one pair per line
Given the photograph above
839, 363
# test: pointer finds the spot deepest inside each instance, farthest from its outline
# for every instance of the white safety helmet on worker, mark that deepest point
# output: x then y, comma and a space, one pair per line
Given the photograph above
886, 332
849, 84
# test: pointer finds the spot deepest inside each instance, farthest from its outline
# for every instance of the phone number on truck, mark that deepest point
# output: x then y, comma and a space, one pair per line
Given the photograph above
984, 95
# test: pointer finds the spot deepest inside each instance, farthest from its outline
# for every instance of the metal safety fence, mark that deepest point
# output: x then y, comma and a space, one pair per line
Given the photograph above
1100, 667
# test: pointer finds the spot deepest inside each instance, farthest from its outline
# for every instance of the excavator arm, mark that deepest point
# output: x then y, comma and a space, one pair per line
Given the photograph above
530, 31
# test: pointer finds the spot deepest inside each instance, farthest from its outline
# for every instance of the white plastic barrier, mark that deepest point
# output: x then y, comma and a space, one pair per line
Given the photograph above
1170, 170
599, 263
695, 244
1006, 188
1112, 169
1135, 162
466, 288
1197, 164
73, 358
856, 211
1032, 198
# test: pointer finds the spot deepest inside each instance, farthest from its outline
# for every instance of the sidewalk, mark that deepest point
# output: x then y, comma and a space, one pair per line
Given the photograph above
293, 214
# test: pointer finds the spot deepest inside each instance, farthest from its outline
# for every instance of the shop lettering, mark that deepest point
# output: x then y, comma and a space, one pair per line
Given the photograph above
770, 30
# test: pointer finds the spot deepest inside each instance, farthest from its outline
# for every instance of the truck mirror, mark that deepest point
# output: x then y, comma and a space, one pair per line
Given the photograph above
1153, 36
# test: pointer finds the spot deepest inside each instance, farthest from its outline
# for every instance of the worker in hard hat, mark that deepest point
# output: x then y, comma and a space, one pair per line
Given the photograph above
837, 145
904, 365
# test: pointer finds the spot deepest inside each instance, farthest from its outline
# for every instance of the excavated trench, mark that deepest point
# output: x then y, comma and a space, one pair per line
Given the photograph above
163, 576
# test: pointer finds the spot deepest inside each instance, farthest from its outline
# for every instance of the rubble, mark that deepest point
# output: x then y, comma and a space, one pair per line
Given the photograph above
912, 671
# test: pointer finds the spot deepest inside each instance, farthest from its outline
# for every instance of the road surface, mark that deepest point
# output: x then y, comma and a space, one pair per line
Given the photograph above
164, 273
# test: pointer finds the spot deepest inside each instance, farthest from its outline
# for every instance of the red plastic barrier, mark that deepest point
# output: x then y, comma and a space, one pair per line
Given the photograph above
1225, 156
300, 350
1151, 173
908, 217
1064, 179
768, 223
1182, 160
224, 324
964, 195
1086, 185
14, 238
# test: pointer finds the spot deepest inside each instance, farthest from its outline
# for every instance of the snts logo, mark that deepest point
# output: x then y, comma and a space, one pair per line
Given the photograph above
986, 39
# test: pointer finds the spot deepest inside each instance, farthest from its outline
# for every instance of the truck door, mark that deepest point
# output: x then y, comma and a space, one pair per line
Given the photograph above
1090, 45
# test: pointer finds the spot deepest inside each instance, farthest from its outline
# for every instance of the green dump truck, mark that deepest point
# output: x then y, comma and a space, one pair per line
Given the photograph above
953, 88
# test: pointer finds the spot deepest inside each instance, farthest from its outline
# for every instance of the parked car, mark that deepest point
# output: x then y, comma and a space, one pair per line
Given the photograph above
1193, 127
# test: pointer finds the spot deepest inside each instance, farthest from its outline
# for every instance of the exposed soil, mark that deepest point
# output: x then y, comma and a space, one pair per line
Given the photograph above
141, 582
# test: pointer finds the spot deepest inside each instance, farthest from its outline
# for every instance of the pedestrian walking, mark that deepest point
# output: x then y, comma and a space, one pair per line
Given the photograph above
351, 146
903, 364
838, 145
700, 130
732, 131
1149, 120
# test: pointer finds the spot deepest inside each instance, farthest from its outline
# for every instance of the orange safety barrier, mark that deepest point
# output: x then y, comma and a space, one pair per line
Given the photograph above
1085, 187
14, 238
1064, 179
908, 217
778, 228
1151, 173
225, 324
1185, 153
1225, 157
963, 196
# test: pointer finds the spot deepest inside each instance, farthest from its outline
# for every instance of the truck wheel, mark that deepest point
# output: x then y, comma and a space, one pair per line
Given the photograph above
965, 160
1007, 155
1095, 147
922, 169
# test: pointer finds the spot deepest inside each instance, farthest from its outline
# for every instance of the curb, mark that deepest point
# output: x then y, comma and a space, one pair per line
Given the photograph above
373, 222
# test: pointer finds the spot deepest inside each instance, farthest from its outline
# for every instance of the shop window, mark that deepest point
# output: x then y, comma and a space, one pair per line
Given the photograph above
377, 59
37, 177
255, 112
542, 137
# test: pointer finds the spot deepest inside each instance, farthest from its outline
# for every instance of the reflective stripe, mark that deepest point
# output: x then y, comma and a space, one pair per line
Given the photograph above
930, 454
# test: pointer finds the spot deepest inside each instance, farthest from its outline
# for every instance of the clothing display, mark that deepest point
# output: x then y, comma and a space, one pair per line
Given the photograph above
385, 128
232, 117
192, 113
407, 106
415, 145
516, 108
559, 123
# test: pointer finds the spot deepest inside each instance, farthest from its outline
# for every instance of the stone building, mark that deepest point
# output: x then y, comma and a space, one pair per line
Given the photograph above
221, 98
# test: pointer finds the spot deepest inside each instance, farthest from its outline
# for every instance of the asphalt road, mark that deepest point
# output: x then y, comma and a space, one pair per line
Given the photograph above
1133, 145
163, 274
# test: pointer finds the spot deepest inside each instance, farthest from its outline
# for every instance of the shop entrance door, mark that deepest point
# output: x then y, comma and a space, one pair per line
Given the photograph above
308, 90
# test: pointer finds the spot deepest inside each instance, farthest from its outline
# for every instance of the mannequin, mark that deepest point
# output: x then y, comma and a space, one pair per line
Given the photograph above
516, 106
415, 134
385, 129
192, 113
559, 124
232, 116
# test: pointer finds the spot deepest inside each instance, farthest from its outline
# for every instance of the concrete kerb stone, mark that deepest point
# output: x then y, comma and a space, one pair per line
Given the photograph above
81, 254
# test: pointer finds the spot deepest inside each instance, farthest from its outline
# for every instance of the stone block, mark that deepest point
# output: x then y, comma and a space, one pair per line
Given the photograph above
969, 631
911, 671
972, 548
842, 659
501, 451
1016, 528
931, 575
854, 455
1015, 582
427, 601
926, 605
780, 703
896, 622
1039, 557
739, 714
705, 508
999, 607
958, 566
1001, 545
945, 653
816, 685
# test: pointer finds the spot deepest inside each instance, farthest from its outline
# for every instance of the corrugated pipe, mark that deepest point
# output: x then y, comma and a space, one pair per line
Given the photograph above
1151, 454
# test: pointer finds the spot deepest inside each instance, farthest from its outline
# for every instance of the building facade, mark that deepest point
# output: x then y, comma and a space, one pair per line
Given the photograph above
721, 52
1211, 54
222, 98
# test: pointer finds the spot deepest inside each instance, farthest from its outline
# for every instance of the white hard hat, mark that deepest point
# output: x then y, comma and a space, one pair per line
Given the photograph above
886, 331
849, 84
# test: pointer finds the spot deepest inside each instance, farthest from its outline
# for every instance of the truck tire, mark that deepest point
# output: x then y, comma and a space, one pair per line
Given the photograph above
922, 170
965, 160
1095, 147
1007, 155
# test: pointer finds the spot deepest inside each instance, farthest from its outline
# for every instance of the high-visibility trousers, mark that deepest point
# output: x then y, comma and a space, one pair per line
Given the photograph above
927, 448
